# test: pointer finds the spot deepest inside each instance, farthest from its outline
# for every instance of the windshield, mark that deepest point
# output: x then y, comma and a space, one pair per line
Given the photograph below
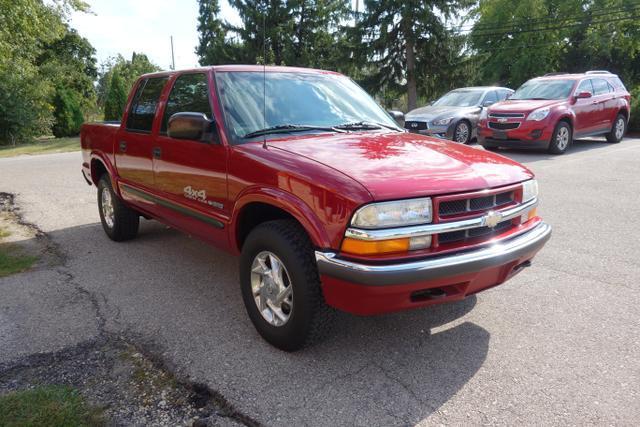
311, 100
460, 98
544, 89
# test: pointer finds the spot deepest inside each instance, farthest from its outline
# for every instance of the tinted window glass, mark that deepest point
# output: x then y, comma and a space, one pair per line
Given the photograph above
190, 94
600, 87
143, 108
585, 86
544, 89
618, 83
491, 97
460, 98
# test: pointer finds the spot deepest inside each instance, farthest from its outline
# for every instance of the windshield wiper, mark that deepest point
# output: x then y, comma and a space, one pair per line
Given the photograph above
290, 129
365, 126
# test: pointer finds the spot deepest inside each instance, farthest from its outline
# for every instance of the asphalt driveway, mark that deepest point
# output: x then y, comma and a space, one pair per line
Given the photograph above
559, 344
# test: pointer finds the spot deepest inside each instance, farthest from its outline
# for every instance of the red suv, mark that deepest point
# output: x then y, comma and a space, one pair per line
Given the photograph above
549, 112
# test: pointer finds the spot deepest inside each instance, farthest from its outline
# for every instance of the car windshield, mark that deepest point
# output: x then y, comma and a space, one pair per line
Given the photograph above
294, 102
544, 89
460, 98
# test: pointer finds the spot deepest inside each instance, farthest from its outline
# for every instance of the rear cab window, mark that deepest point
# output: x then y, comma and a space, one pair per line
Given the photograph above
144, 104
190, 94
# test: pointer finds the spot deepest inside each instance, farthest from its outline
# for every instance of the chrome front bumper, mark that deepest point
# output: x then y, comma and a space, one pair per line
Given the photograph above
434, 268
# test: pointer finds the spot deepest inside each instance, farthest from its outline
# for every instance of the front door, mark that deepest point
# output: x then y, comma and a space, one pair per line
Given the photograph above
585, 110
192, 175
134, 140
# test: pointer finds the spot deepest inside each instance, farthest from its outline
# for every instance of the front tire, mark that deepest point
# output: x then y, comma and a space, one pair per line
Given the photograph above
462, 132
561, 138
281, 286
618, 130
119, 221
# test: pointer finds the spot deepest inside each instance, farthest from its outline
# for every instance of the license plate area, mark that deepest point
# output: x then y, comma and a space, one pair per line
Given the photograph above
499, 134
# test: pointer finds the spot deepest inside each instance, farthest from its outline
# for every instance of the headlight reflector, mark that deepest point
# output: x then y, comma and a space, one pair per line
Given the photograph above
442, 122
394, 214
529, 190
539, 114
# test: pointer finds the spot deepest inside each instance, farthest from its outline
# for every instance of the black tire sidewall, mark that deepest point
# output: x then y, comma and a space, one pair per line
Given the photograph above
292, 335
553, 147
611, 137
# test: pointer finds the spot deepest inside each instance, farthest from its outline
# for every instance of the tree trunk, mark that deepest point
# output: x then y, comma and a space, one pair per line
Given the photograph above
412, 90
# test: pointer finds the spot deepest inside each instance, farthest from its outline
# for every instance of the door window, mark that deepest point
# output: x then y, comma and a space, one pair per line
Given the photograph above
600, 87
190, 94
145, 102
490, 98
585, 86
504, 94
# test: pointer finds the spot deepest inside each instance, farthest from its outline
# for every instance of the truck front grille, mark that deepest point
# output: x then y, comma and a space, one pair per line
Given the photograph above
504, 126
474, 233
461, 206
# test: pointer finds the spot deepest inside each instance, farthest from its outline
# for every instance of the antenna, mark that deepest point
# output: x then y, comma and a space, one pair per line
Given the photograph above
264, 74
173, 58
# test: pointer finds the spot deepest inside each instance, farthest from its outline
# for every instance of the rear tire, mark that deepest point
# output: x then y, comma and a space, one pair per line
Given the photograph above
618, 129
119, 221
561, 138
302, 317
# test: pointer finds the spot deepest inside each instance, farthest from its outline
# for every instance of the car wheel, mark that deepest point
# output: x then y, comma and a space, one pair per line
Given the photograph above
618, 130
119, 221
561, 138
462, 132
281, 286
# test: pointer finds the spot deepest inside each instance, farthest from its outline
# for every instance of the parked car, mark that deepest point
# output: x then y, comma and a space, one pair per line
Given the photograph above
455, 115
549, 112
328, 203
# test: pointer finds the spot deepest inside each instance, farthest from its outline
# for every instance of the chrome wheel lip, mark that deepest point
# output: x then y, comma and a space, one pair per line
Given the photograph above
106, 202
271, 288
461, 133
562, 138
619, 128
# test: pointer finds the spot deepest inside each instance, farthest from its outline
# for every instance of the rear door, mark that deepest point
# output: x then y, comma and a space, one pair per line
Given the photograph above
134, 140
191, 176
585, 109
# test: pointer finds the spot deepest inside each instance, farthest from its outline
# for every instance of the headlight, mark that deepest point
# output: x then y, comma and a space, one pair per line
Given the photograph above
539, 114
394, 214
442, 122
529, 190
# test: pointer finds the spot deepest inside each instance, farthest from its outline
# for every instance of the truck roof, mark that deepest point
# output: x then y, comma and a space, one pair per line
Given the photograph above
245, 68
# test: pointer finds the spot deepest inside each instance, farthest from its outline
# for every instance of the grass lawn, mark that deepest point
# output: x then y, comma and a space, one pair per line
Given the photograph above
42, 146
11, 259
50, 406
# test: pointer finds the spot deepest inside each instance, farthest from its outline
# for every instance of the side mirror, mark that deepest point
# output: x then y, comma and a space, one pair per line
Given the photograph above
192, 126
398, 116
583, 95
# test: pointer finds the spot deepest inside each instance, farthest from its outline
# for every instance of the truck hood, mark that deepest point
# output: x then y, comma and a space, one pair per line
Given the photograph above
393, 165
521, 105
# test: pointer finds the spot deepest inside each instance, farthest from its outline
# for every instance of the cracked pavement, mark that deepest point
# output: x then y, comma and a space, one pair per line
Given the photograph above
559, 344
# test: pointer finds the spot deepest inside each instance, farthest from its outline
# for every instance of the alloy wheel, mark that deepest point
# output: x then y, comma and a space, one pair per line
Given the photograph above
272, 289
462, 133
619, 128
107, 207
562, 138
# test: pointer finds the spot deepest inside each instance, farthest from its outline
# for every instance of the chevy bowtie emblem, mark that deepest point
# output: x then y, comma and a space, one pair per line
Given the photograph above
502, 120
414, 125
492, 219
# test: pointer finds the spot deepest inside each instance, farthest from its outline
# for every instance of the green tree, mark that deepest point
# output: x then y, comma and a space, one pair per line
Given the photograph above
67, 113
116, 98
404, 42
213, 46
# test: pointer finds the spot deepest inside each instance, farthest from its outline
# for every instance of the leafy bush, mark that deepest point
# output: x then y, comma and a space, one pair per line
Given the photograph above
116, 98
634, 123
67, 113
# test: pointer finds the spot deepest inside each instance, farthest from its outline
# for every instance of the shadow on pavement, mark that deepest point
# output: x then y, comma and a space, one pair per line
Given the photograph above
184, 297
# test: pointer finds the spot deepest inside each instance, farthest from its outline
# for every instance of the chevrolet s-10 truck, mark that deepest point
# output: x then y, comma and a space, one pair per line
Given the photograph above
327, 201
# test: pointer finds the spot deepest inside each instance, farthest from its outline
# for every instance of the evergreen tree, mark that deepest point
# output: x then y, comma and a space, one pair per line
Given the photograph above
405, 41
116, 97
213, 47
67, 113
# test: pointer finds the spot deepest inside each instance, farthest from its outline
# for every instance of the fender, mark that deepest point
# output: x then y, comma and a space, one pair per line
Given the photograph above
98, 156
288, 203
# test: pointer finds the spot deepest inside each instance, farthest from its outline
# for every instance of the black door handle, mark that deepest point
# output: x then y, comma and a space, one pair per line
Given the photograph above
157, 152
123, 146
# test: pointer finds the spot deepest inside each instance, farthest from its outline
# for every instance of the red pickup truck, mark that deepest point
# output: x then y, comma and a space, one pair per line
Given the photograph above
328, 203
